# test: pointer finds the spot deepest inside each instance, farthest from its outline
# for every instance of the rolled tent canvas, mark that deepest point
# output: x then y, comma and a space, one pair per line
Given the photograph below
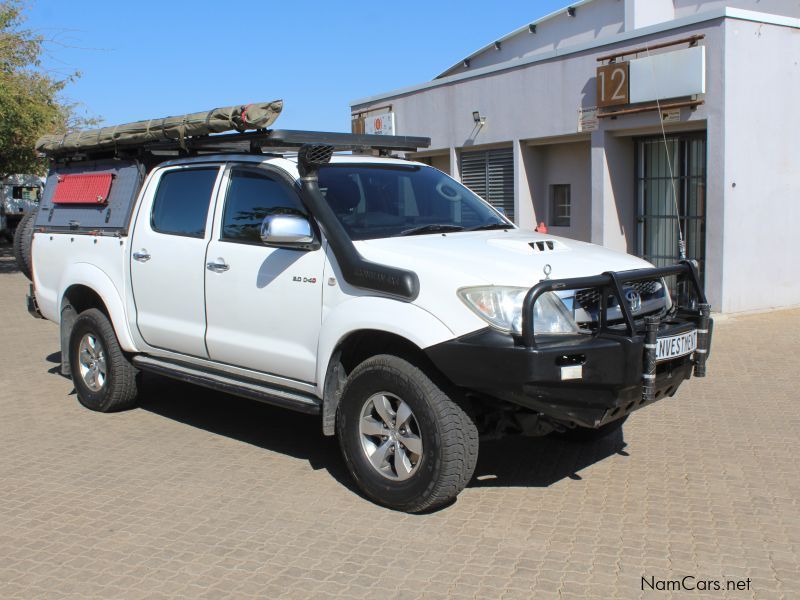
259, 115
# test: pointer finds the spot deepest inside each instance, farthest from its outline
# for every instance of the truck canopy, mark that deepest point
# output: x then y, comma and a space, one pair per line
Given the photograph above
90, 196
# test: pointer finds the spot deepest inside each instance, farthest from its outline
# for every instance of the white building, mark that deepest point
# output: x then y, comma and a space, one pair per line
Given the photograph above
518, 122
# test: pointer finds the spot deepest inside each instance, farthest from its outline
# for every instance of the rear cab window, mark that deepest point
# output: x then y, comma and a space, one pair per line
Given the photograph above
180, 205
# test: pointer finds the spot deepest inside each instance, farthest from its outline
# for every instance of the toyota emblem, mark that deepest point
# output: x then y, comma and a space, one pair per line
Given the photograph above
634, 299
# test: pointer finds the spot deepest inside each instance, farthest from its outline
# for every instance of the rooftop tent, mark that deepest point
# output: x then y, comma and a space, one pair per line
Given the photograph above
239, 118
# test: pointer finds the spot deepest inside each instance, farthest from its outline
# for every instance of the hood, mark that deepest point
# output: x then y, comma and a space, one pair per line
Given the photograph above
512, 257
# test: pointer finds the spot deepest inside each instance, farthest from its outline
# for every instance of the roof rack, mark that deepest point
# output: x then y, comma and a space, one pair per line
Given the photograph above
253, 142
294, 139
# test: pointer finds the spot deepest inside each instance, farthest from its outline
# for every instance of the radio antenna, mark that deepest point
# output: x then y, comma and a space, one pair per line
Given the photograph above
681, 239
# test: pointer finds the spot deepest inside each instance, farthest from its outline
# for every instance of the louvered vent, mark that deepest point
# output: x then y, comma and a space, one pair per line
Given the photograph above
542, 246
490, 174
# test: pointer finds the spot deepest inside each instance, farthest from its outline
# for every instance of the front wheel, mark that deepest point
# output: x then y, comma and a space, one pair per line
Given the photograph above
104, 378
408, 445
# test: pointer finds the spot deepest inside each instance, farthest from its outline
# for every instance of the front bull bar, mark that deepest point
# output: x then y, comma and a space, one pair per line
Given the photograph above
611, 283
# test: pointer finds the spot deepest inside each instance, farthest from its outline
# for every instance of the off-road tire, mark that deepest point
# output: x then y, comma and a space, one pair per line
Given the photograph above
449, 435
585, 434
23, 240
119, 391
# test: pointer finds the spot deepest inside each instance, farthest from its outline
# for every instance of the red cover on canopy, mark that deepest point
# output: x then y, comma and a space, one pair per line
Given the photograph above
83, 189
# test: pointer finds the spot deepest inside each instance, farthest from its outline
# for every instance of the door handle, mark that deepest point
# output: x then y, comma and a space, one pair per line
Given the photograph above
142, 255
220, 266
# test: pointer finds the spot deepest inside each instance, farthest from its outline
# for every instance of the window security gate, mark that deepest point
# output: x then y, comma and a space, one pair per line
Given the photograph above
490, 174
658, 216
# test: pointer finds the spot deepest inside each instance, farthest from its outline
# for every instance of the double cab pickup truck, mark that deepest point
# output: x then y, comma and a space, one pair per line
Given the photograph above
376, 292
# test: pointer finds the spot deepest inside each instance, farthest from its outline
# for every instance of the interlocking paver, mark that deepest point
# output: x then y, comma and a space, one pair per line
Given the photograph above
198, 494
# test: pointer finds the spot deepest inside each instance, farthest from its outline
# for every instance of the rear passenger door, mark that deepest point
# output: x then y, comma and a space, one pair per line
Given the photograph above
168, 250
263, 304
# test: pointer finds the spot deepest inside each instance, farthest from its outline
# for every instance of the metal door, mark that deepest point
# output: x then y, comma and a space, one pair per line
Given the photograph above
671, 193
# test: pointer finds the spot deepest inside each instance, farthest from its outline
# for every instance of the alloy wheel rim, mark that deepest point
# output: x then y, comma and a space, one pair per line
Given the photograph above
92, 362
390, 436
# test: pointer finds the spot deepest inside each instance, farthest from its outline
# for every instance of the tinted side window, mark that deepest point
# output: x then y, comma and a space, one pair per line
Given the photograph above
251, 197
181, 203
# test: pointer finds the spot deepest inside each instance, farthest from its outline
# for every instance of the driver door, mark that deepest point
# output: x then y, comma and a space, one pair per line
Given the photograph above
263, 304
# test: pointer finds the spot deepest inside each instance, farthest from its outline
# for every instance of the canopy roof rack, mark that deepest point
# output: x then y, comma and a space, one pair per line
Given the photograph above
253, 142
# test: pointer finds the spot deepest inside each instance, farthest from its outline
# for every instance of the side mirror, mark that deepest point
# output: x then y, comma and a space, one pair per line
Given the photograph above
287, 231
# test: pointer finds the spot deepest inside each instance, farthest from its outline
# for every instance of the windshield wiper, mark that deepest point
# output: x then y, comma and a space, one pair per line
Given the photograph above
490, 226
432, 228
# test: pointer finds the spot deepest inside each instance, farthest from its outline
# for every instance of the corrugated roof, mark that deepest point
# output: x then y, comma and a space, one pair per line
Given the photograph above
520, 30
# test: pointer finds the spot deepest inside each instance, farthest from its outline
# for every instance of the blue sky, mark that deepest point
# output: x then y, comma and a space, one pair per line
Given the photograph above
147, 59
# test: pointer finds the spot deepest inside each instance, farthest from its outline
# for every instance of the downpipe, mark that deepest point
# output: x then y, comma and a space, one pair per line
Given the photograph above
356, 270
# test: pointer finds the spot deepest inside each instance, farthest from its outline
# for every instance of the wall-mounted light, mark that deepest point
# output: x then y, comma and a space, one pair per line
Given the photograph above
571, 11
497, 45
466, 63
479, 120
532, 27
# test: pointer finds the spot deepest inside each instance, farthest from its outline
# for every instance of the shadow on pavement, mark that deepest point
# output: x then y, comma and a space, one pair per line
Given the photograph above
539, 461
272, 428
513, 461
7, 262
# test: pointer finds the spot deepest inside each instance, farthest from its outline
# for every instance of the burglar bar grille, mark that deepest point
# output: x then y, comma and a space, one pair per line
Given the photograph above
659, 213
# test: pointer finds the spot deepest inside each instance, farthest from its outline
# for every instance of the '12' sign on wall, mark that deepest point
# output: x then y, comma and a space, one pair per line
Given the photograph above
613, 84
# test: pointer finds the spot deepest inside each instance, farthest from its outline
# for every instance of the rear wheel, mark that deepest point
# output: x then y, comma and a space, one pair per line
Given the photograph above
584, 434
408, 445
104, 378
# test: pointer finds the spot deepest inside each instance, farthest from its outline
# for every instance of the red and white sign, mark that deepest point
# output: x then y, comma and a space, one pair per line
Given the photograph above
380, 124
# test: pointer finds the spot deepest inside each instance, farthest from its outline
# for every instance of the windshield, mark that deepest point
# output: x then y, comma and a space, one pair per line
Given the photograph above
376, 201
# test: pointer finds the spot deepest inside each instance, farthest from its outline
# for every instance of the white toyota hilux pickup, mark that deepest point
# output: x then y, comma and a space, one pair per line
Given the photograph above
376, 292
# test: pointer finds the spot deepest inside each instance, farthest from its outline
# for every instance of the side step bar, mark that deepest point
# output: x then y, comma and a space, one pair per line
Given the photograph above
291, 399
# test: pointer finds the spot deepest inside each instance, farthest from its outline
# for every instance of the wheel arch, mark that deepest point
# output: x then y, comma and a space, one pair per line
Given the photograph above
85, 286
365, 327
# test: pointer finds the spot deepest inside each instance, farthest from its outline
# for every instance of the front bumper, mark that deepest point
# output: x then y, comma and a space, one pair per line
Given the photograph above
614, 367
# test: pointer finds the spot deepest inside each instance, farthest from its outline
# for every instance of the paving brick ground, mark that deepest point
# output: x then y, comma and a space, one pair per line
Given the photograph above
199, 494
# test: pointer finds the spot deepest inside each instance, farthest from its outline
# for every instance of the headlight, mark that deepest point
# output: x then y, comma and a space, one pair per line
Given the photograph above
501, 307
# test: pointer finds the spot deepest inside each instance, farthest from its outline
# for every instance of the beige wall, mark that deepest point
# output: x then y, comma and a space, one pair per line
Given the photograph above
558, 163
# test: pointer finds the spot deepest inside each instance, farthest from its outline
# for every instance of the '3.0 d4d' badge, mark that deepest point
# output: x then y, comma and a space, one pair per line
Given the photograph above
298, 279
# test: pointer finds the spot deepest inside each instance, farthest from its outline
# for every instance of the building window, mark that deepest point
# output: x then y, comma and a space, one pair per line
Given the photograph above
560, 208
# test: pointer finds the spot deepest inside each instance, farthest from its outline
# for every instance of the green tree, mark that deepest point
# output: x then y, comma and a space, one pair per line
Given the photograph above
30, 101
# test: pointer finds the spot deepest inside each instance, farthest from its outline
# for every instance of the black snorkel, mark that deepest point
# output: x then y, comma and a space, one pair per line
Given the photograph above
356, 270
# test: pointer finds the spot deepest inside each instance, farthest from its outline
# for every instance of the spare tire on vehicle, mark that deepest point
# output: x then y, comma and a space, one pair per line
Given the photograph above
23, 239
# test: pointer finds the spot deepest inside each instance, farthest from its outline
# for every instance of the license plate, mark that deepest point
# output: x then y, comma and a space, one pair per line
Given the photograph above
676, 345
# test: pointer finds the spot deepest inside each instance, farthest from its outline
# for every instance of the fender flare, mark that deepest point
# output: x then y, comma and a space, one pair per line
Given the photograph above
396, 317
98, 281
